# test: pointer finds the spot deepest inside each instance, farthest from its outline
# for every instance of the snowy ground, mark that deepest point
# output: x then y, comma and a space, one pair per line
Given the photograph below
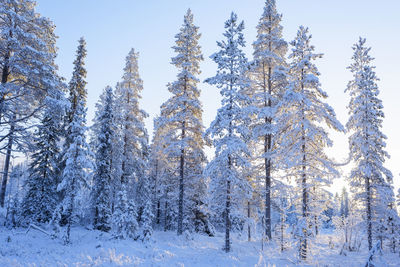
92, 248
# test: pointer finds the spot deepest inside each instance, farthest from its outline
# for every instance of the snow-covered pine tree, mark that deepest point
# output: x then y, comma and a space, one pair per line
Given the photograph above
125, 216
181, 117
130, 122
27, 53
131, 149
229, 131
367, 142
157, 168
77, 165
302, 117
102, 179
269, 56
164, 181
147, 216
41, 198
77, 84
77, 93
385, 216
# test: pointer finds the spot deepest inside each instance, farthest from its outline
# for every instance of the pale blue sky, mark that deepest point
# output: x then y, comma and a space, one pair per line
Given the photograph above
111, 28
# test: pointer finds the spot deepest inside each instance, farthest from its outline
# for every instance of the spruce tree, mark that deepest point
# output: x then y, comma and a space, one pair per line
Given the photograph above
77, 84
267, 85
125, 216
77, 164
303, 137
229, 131
181, 117
157, 165
131, 152
102, 180
130, 121
41, 198
369, 178
77, 93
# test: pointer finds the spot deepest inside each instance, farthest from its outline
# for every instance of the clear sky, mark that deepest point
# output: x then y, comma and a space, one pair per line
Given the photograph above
112, 27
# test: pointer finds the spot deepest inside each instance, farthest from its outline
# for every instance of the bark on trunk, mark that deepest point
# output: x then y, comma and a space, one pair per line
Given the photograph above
369, 213
303, 245
4, 79
227, 212
248, 223
181, 170
166, 216
7, 163
267, 86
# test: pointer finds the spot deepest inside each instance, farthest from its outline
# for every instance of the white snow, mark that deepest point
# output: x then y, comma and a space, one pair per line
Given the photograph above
94, 248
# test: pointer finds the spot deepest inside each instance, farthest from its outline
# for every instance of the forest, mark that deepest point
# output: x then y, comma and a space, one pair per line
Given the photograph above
262, 197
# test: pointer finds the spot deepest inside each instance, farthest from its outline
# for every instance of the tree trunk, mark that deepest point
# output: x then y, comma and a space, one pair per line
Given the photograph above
4, 78
165, 216
267, 148
181, 172
282, 233
7, 163
303, 245
158, 212
369, 213
248, 222
69, 213
227, 213
156, 194
267, 85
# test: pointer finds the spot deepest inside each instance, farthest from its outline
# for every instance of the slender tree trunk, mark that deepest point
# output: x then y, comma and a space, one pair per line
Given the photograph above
181, 174
303, 245
345, 231
4, 78
156, 194
267, 148
315, 215
181, 170
248, 222
165, 216
267, 87
368, 188
7, 162
282, 233
69, 212
158, 212
228, 211
369, 212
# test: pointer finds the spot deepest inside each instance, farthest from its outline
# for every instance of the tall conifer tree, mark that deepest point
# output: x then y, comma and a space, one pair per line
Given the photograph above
229, 130
267, 86
181, 115
369, 179
102, 180
303, 115
77, 164
41, 198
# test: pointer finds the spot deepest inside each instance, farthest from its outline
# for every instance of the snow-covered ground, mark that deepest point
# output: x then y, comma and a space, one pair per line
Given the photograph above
93, 248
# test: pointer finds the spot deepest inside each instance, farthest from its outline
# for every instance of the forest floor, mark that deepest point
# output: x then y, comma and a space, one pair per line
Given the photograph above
93, 248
